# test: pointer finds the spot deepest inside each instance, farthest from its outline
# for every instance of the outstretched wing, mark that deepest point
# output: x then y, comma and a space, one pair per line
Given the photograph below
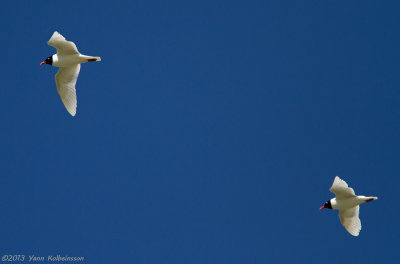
63, 46
341, 189
350, 220
65, 80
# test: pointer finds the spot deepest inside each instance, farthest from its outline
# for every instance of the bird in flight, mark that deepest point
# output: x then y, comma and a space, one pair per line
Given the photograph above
69, 61
348, 205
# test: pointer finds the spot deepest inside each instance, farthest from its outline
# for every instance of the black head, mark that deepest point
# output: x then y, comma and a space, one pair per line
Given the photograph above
326, 205
48, 60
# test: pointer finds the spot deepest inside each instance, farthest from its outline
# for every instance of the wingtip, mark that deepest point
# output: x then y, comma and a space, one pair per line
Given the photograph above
72, 112
56, 33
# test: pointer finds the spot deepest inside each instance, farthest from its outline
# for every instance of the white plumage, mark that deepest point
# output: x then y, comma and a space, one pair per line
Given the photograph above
63, 46
348, 204
68, 59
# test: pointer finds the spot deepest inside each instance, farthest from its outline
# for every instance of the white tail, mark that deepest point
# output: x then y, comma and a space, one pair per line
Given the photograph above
371, 198
89, 58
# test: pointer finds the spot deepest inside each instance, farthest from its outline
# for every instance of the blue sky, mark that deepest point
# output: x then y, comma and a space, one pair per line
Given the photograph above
210, 132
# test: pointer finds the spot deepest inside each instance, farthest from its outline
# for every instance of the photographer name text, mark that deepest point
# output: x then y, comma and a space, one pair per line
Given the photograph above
34, 258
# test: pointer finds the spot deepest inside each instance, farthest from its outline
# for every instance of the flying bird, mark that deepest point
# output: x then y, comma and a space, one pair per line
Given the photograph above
348, 205
69, 60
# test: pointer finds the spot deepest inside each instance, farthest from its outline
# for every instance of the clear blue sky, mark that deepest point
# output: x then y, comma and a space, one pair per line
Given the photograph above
210, 132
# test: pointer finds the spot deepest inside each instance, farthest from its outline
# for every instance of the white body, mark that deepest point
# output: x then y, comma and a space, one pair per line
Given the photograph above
68, 59
348, 204
71, 60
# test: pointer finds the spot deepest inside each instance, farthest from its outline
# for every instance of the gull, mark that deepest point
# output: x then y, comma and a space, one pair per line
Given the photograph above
348, 205
69, 61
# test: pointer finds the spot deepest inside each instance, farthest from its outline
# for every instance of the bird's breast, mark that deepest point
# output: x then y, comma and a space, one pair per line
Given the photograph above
341, 204
68, 60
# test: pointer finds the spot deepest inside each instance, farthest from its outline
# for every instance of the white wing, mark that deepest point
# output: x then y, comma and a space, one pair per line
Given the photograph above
341, 189
63, 46
350, 220
65, 80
